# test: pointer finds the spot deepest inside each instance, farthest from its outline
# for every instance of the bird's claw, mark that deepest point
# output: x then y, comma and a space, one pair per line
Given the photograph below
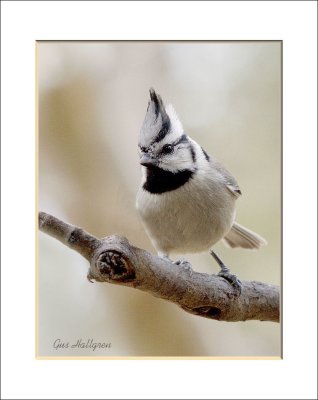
232, 279
182, 262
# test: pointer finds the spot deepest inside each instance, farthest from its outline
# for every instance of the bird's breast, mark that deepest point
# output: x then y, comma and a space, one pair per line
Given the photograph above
189, 219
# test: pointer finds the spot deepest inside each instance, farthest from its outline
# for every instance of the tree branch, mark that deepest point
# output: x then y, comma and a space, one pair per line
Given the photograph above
114, 260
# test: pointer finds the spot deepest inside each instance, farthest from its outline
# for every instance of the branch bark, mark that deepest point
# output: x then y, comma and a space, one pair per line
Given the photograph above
114, 260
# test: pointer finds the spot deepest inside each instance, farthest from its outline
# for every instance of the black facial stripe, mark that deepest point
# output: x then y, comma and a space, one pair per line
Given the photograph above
161, 181
207, 157
182, 139
164, 129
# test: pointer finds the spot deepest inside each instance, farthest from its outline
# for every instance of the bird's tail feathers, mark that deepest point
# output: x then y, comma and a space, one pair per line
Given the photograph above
239, 236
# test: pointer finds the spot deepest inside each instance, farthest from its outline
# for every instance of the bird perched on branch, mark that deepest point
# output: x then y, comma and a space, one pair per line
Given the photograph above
187, 198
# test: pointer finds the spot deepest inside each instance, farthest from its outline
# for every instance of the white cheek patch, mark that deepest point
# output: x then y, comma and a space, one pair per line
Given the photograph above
179, 160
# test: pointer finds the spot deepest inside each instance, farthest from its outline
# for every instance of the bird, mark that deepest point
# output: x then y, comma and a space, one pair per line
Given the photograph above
186, 199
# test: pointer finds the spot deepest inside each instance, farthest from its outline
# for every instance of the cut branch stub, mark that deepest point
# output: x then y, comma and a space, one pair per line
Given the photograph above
113, 266
110, 263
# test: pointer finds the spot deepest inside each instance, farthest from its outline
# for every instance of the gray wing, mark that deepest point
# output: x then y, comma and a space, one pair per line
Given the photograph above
229, 179
234, 188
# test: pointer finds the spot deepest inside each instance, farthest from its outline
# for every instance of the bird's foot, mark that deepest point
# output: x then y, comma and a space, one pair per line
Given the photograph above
232, 279
225, 273
182, 262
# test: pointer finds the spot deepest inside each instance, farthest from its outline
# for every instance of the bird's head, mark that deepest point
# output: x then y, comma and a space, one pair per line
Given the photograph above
162, 141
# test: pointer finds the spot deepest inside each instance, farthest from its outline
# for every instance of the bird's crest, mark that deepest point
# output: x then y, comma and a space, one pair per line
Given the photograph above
159, 122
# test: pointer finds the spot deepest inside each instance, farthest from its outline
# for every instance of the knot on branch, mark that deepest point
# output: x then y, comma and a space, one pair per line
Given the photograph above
208, 311
113, 266
205, 311
111, 261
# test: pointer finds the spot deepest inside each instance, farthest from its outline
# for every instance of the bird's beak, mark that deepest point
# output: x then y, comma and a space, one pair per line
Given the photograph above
147, 161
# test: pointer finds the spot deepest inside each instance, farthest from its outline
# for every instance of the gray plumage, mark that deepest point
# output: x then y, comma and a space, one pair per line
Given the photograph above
187, 198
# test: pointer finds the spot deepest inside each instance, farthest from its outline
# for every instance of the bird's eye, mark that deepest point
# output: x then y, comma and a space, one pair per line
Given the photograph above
167, 149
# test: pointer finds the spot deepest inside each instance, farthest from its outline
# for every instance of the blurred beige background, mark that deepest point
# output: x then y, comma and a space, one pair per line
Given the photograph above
92, 100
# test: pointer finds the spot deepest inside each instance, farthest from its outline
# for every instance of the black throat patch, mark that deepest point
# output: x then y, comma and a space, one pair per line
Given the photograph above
160, 181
